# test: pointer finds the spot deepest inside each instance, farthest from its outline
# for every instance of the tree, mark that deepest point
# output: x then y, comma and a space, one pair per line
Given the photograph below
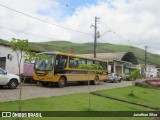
135, 74
98, 69
24, 54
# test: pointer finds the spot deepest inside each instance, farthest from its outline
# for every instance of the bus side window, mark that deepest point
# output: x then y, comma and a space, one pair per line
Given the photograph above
98, 66
81, 61
104, 65
89, 62
61, 61
73, 63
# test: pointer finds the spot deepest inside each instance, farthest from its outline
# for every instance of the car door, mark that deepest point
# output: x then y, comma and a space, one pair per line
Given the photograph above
3, 77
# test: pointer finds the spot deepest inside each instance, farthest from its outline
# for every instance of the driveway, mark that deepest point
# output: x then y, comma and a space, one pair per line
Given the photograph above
35, 91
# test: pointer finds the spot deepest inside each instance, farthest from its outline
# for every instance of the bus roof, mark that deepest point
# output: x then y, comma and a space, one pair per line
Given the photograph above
73, 55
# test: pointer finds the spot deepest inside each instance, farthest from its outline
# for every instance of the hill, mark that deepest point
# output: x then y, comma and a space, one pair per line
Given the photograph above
83, 48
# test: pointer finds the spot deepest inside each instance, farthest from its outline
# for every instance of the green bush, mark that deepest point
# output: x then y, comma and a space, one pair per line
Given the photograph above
135, 74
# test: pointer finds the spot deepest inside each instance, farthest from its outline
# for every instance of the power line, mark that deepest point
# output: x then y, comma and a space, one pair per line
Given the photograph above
44, 20
20, 32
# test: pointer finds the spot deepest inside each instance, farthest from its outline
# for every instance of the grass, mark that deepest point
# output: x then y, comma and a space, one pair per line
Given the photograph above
147, 96
74, 102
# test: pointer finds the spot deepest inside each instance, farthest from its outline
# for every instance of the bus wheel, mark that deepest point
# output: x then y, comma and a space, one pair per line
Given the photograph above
61, 83
95, 81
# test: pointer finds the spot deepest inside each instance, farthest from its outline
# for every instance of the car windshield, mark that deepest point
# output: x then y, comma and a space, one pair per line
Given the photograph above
44, 64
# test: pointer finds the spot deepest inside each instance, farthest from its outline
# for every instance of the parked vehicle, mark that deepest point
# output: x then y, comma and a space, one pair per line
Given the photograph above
61, 68
113, 78
8, 79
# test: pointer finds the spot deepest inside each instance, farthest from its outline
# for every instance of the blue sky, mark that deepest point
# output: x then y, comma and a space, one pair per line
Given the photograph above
67, 7
70, 6
77, 3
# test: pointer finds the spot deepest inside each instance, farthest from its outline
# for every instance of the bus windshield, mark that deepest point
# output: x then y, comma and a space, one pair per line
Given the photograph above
44, 64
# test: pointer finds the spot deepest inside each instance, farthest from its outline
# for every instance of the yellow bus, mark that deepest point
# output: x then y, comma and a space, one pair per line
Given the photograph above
61, 68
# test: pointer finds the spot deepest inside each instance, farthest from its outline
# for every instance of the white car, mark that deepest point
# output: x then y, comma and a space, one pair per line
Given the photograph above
113, 78
8, 79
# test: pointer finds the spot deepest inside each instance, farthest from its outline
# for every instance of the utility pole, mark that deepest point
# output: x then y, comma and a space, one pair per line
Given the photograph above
95, 35
145, 58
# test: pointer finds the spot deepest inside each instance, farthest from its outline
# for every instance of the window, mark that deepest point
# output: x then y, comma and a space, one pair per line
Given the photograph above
73, 62
61, 61
44, 64
97, 65
81, 61
89, 62
104, 65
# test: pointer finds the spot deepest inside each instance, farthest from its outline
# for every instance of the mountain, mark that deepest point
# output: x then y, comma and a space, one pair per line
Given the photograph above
83, 48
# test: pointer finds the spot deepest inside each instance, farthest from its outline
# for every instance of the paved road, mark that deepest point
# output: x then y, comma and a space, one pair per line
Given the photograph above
35, 91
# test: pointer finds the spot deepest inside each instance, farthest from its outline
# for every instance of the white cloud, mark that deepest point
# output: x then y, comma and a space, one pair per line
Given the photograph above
135, 22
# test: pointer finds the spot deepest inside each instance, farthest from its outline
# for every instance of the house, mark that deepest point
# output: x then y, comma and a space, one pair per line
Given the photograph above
8, 59
151, 70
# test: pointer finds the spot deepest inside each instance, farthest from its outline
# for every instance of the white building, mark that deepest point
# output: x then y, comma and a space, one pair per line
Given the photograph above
151, 70
8, 59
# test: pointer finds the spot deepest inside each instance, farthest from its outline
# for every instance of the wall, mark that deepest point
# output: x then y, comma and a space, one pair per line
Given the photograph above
118, 67
11, 64
158, 72
151, 71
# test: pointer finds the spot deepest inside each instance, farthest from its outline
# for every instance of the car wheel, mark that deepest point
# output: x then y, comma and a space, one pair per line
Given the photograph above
120, 80
62, 82
12, 84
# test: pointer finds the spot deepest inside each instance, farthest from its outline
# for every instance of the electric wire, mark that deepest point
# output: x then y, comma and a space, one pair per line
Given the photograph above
44, 20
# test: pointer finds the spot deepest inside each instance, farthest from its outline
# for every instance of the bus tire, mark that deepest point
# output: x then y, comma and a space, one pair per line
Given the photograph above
62, 82
95, 81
